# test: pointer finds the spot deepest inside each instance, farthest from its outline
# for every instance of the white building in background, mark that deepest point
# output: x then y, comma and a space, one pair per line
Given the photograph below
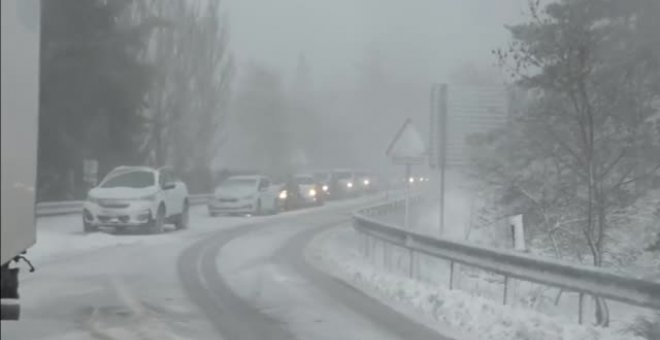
470, 110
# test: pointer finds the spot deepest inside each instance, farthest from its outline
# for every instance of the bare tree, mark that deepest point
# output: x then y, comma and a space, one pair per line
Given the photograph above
263, 115
579, 150
188, 104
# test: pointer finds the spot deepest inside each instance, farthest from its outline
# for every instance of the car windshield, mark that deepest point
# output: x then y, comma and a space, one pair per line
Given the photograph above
238, 183
133, 179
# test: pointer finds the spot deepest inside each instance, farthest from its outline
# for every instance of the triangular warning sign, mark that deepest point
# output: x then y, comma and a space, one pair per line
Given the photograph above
407, 145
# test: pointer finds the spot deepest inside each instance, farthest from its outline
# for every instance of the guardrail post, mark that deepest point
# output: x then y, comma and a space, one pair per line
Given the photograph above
411, 265
363, 243
378, 244
384, 257
506, 289
411, 257
580, 307
451, 275
387, 260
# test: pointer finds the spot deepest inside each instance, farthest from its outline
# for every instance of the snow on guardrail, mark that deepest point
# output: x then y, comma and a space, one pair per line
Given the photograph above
581, 279
74, 207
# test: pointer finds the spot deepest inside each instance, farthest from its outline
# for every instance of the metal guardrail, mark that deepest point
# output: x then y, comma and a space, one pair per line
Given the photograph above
199, 199
58, 208
74, 207
581, 279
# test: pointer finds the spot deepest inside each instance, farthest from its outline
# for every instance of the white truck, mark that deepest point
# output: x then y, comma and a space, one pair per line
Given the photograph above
21, 21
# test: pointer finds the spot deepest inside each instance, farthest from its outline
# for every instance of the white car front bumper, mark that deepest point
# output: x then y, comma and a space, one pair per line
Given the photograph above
127, 214
231, 206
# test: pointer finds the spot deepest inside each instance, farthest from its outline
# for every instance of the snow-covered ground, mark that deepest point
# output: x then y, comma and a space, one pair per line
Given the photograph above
121, 286
460, 221
462, 310
473, 310
61, 237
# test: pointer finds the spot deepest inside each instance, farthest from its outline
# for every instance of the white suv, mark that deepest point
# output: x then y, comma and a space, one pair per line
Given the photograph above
137, 197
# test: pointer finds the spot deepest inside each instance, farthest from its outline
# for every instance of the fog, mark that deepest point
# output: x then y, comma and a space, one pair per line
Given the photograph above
212, 168
371, 63
256, 85
421, 41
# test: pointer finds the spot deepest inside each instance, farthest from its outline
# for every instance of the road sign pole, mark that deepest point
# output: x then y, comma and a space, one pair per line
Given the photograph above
442, 134
434, 141
407, 148
441, 204
406, 222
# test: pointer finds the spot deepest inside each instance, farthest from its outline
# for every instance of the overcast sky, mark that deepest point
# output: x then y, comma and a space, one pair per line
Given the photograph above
420, 40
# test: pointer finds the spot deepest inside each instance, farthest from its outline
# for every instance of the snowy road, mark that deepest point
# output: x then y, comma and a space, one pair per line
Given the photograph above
273, 293
235, 277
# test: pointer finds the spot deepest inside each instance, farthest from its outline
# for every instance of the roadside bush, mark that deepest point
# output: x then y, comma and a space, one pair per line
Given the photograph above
647, 328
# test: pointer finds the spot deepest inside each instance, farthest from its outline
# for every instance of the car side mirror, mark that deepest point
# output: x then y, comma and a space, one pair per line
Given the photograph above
168, 186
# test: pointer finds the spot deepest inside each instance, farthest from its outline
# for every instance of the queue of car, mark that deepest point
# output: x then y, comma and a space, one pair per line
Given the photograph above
146, 199
296, 192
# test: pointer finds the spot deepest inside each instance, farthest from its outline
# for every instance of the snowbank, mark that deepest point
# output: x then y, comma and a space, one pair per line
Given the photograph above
61, 237
336, 252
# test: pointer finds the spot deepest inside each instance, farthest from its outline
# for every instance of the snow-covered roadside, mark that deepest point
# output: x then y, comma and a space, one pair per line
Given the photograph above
335, 251
61, 237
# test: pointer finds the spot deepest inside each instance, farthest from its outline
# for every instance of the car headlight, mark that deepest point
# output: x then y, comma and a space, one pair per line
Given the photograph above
283, 195
366, 182
92, 199
324, 188
349, 184
312, 192
411, 179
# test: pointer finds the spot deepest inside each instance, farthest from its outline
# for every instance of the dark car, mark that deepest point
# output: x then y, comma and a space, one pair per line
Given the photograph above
323, 179
300, 191
343, 184
311, 191
366, 183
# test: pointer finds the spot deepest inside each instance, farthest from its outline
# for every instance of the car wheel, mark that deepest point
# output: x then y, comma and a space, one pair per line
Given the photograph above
88, 227
157, 223
257, 210
182, 220
277, 208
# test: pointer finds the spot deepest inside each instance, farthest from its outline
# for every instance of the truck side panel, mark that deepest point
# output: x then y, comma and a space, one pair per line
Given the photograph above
20, 114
